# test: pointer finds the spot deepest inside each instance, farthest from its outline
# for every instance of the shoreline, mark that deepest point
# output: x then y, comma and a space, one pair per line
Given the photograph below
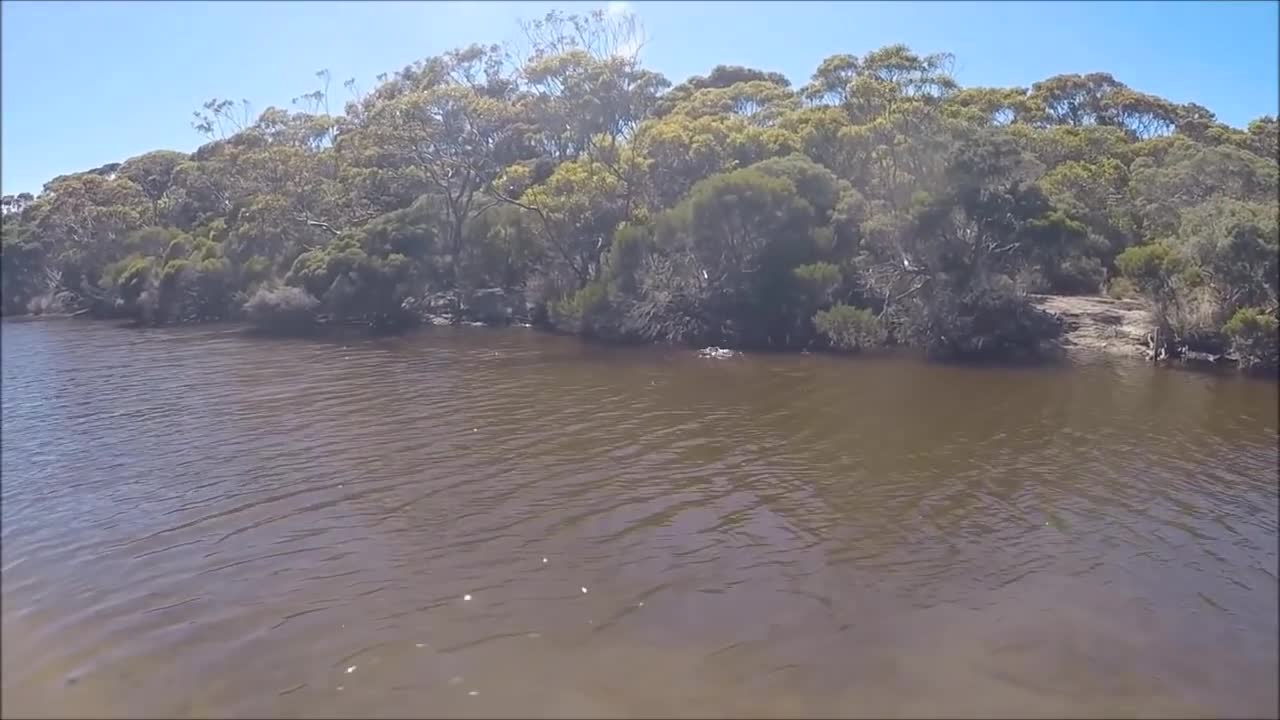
1092, 325
1093, 328
1096, 324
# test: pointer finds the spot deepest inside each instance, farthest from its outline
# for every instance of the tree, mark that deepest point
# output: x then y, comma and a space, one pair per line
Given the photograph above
153, 174
15, 204
945, 274
22, 268
721, 77
1188, 174
444, 140
879, 202
86, 218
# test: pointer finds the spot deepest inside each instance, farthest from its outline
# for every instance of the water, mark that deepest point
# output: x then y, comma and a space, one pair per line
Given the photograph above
198, 523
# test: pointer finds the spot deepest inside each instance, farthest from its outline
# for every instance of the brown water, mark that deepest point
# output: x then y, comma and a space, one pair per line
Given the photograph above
197, 523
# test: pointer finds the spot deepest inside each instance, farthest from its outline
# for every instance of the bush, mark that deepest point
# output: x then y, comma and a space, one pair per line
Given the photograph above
49, 303
1194, 316
1150, 267
285, 309
1077, 275
22, 276
208, 290
818, 280
583, 312
849, 328
1184, 308
131, 277
1252, 333
255, 270
1122, 288
994, 322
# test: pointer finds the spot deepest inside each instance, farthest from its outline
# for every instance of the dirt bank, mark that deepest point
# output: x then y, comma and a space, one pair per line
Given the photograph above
1100, 324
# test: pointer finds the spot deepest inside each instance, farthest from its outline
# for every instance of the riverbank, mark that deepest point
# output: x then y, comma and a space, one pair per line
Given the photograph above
1092, 325
1098, 324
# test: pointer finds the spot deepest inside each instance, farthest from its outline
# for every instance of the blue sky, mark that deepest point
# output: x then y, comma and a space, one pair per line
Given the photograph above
95, 82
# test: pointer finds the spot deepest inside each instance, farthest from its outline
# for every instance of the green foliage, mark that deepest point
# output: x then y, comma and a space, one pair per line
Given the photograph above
352, 284
742, 234
1153, 268
1252, 333
583, 312
1121, 288
255, 270
21, 272
850, 328
131, 277
502, 246
819, 280
151, 240
1223, 264
1236, 246
731, 208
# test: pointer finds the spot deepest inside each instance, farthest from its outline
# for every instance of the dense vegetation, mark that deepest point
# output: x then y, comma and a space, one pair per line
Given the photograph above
878, 203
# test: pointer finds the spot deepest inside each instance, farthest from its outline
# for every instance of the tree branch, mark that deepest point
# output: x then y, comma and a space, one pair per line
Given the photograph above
317, 224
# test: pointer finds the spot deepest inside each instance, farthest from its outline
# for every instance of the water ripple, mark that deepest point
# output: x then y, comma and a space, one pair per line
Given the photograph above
201, 523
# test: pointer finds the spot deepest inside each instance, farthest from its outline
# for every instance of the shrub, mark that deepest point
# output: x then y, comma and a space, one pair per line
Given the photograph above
1180, 302
209, 291
818, 280
993, 322
1122, 288
582, 312
284, 309
49, 303
22, 276
131, 277
1077, 275
850, 328
1194, 316
1150, 267
1253, 338
256, 269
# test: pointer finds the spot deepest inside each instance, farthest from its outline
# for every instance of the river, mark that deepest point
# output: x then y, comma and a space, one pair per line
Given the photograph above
474, 522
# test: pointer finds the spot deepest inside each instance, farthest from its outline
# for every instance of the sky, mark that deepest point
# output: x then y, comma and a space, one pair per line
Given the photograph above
87, 83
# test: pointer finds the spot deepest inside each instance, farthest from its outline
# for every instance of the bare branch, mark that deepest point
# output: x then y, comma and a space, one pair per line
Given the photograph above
317, 224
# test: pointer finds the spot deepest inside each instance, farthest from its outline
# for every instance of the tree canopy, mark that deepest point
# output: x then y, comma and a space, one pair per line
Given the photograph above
877, 201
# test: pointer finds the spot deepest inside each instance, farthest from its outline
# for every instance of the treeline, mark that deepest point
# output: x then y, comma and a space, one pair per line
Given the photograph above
878, 203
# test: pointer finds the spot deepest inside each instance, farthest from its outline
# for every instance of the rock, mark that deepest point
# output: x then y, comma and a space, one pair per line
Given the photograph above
1196, 356
1100, 324
487, 306
437, 309
443, 303
412, 305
